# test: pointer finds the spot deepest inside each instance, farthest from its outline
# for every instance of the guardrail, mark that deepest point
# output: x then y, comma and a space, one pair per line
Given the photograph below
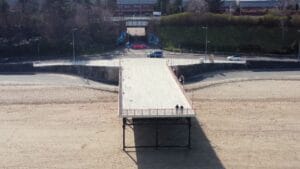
158, 112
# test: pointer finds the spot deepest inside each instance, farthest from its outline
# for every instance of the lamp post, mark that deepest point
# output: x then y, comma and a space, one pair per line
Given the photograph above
38, 46
205, 27
140, 8
161, 4
73, 36
298, 31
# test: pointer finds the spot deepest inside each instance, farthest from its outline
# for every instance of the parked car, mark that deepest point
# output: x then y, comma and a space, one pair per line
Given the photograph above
138, 46
155, 54
156, 13
236, 57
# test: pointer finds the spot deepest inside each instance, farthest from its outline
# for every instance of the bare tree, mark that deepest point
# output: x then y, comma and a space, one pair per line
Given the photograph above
4, 8
288, 4
197, 6
53, 22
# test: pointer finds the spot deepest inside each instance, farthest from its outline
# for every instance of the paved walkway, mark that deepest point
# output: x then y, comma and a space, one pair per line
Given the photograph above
150, 89
116, 62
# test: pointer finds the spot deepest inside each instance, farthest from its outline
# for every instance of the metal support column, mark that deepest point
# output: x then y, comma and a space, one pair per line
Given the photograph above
157, 123
124, 127
156, 135
189, 126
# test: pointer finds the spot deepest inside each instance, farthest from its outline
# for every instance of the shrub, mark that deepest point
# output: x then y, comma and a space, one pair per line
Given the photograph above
210, 19
295, 20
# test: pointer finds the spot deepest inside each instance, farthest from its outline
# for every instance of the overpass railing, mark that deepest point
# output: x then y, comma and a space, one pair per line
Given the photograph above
130, 18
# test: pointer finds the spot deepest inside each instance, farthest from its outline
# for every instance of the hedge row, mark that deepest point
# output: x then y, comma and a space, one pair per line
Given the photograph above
209, 19
250, 39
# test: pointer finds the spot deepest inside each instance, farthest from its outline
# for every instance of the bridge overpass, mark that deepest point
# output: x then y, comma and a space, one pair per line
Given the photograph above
134, 21
136, 27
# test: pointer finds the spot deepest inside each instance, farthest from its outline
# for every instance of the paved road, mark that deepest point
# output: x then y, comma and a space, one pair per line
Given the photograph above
142, 53
131, 53
125, 53
113, 59
116, 62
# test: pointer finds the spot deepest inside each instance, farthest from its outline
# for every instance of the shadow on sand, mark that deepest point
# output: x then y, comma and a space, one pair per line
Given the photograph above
201, 154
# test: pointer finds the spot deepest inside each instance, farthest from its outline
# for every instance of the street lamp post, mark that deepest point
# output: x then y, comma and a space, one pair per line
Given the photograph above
298, 31
73, 35
37, 40
140, 8
161, 7
298, 50
205, 27
38, 49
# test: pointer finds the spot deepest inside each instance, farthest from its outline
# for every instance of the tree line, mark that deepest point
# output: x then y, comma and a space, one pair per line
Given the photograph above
34, 27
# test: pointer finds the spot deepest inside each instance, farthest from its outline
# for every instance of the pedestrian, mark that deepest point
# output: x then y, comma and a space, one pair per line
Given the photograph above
181, 79
181, 109
177, 107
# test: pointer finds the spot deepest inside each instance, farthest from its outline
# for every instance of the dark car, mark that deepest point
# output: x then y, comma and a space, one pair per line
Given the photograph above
155, 54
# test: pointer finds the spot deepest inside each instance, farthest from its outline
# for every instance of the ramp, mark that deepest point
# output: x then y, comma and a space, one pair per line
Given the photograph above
149, 89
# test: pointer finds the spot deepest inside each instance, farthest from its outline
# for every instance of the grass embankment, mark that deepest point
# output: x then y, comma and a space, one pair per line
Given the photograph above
255, 34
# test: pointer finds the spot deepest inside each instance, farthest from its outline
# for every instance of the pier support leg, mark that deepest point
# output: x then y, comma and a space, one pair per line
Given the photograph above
124, 127
189, 126
184, 122
156, 136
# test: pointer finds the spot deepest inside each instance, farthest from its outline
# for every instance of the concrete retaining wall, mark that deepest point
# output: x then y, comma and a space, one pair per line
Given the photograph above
16, 68
190, 71
266, 64
109, 75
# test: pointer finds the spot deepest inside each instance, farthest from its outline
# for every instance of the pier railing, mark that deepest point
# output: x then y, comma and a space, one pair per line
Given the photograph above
152, 113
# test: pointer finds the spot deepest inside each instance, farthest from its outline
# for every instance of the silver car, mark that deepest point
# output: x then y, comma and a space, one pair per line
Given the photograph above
234, 58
